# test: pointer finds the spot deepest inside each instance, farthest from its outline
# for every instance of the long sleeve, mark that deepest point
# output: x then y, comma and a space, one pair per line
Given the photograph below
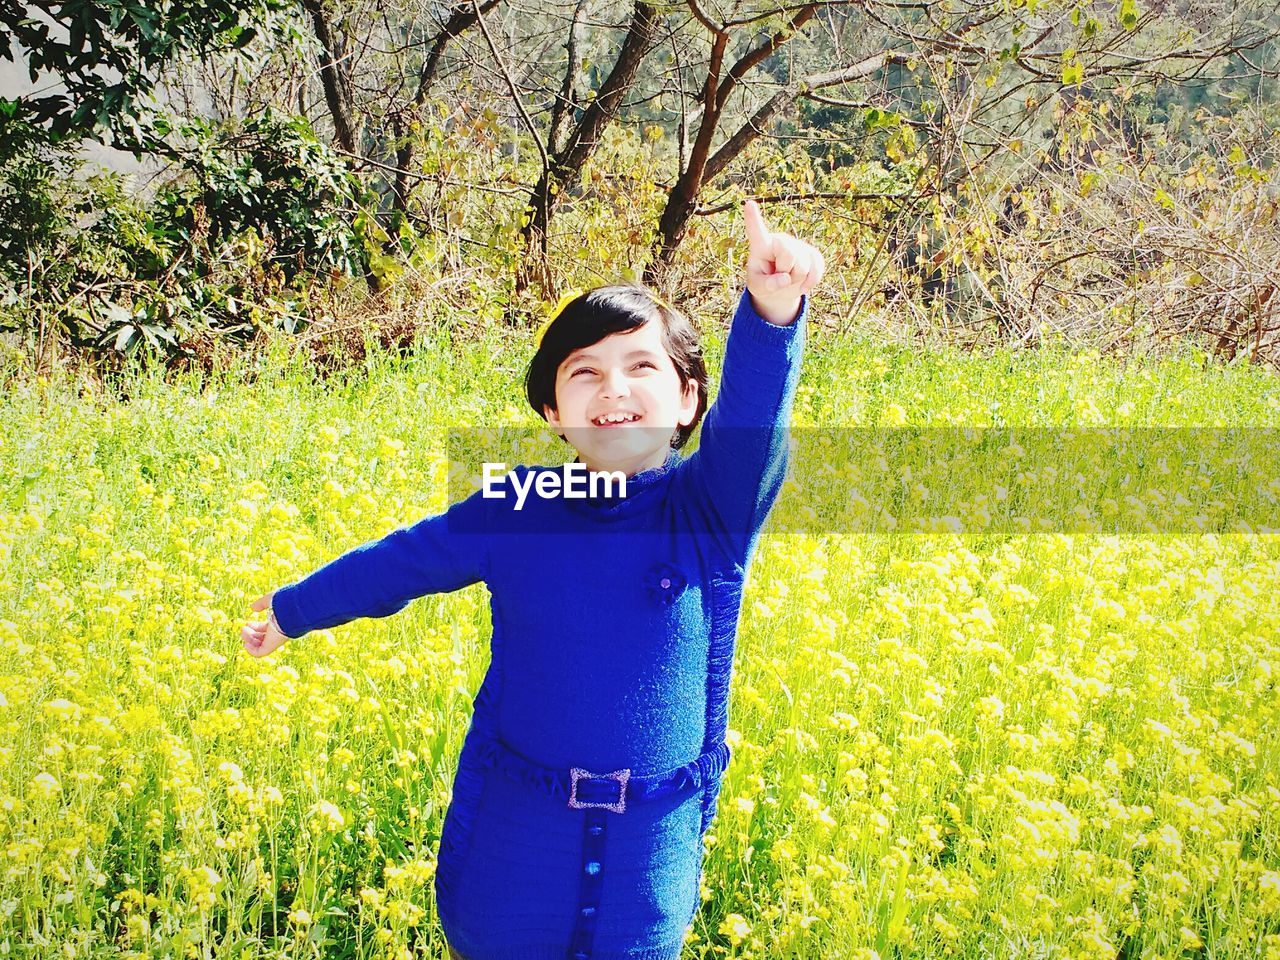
439, 554
737, 471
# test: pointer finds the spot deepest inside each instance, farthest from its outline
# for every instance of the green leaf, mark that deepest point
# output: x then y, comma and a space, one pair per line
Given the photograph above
125, 338
875, 119
1072, 72
1128, 14
899, 900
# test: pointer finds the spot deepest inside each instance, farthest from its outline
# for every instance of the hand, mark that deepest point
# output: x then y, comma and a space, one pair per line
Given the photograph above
780, 268
261, 639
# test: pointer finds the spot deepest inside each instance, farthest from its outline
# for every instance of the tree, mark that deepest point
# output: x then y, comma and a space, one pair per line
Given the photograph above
562, 159
109, 56
702, 165
965, 80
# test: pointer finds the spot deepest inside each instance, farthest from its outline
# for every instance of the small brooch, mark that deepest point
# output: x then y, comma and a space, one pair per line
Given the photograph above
666, 583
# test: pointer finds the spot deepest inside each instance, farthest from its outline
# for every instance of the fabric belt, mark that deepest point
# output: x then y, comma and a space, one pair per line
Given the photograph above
595, 794
613, 791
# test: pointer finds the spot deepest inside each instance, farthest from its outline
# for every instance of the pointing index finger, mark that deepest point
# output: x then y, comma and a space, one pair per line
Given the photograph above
757, 233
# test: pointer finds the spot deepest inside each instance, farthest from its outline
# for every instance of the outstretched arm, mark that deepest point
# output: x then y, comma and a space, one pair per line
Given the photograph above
740, 464
438, 554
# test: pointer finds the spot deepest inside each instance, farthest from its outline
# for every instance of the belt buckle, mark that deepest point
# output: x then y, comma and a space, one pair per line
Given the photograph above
621, 776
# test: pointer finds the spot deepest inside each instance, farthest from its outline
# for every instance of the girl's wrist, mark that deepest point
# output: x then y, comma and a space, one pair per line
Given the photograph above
276, 623
779, 314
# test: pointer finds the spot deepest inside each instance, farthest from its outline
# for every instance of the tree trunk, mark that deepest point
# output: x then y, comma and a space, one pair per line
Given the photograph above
672, 228
702, 166
683, 199
462, 18
333, 77
562, 111
565, 164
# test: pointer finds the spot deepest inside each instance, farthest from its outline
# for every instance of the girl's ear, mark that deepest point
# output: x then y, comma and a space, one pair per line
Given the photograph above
553, 418
688, 404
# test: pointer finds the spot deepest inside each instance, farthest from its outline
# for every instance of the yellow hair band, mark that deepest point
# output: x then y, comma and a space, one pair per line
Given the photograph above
567, 299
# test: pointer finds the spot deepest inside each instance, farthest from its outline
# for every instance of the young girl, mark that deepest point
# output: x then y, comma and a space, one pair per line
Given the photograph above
592, 765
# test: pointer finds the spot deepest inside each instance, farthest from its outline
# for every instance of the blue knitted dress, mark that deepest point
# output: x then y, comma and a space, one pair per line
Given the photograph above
614, 623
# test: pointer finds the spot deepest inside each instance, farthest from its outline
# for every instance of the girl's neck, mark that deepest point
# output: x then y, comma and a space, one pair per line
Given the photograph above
658, 459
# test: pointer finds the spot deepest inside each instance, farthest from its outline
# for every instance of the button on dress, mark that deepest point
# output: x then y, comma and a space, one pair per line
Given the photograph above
614, 625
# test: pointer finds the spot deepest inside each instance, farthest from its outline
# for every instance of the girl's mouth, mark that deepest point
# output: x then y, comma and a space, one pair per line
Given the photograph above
615, 419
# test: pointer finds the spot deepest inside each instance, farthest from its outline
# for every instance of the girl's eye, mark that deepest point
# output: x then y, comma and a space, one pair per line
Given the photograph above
580, 370
646, 363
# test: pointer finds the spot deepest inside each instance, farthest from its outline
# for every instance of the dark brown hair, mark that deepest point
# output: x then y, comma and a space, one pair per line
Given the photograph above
617, 308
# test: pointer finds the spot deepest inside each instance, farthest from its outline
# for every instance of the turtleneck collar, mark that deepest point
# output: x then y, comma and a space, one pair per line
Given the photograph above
637, 484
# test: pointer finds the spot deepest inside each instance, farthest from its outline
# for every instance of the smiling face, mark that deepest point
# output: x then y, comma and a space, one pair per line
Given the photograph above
619, 401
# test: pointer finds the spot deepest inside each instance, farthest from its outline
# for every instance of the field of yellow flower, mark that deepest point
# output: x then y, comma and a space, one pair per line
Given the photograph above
1038, 744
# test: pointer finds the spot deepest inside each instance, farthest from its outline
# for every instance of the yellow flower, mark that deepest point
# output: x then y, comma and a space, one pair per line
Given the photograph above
1269, 887
326, 816
46, 785
893, 416
271, 796
736, 928
138, 928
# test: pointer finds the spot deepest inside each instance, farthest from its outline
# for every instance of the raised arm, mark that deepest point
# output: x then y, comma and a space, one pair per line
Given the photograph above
737, 471
436, 555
